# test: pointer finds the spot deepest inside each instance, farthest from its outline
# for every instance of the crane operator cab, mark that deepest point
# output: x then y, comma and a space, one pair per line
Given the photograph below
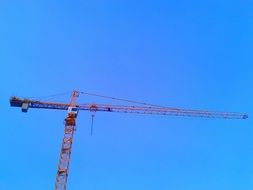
73, 111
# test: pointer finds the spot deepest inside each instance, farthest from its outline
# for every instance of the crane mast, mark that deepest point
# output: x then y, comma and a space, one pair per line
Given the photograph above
63, 165
72, 111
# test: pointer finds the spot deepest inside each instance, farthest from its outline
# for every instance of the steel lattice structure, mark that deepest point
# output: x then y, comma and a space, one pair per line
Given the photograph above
73, 109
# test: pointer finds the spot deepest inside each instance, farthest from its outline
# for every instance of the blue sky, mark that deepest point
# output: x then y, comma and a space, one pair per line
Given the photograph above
187, 54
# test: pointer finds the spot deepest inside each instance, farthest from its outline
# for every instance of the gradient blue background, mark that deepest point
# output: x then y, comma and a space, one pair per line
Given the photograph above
188, 54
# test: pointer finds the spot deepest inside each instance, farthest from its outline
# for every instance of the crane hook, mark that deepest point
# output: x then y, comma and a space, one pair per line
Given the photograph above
92, 121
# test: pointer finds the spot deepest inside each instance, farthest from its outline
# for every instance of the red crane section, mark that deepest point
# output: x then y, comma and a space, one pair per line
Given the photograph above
64, 158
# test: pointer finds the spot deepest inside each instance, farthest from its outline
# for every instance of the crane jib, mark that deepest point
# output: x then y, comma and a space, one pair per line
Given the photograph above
26, 103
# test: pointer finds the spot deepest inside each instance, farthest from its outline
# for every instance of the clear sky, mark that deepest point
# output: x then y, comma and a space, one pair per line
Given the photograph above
187, 54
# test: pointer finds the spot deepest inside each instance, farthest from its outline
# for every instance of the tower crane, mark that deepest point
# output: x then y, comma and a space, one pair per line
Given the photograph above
73, 108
